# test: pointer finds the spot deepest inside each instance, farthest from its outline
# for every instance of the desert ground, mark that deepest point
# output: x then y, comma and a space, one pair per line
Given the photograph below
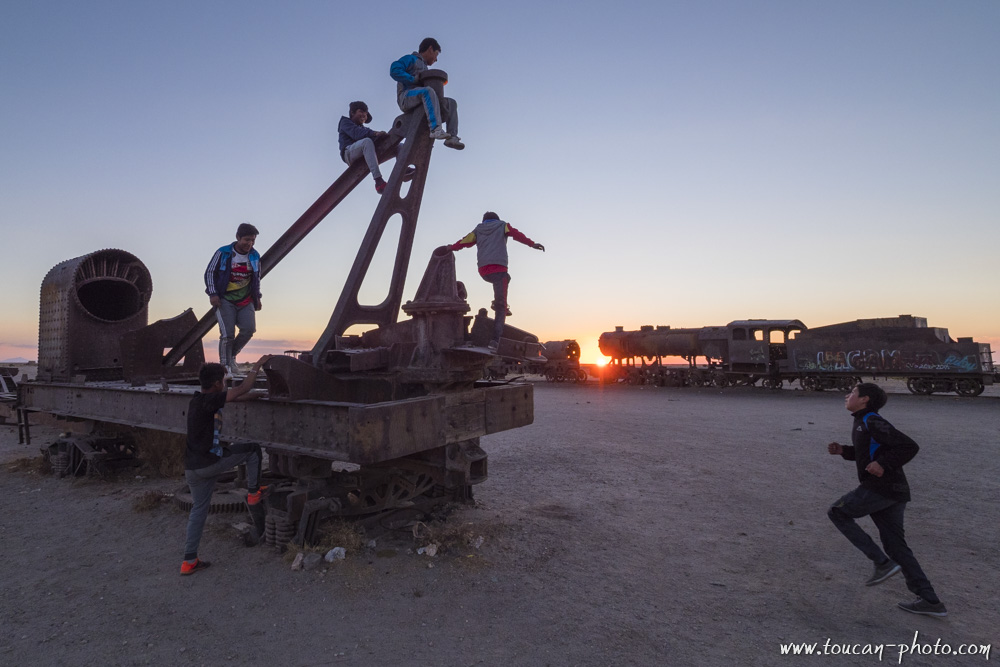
626, 526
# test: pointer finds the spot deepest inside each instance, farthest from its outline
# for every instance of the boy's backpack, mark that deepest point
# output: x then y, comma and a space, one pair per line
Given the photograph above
873, 446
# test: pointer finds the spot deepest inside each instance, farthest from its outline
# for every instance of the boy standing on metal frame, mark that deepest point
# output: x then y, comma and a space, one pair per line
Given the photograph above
206, 457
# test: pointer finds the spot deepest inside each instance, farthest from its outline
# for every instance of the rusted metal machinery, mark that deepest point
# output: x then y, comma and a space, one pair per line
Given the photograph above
8, 392
562, 362
779, 351
357, 425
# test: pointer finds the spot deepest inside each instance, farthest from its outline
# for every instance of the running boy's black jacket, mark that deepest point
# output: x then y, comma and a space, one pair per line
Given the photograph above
895, 449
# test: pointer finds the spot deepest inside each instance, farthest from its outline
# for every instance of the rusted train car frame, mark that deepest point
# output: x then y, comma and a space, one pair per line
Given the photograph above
403, 403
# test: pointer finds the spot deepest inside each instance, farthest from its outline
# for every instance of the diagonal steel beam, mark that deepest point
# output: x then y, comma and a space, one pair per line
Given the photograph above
414, 154
386, 148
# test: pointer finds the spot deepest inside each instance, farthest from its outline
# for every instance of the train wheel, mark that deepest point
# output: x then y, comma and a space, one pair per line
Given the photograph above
581, 375
921, 386
969, 387
811, 383
550, 376
720, 380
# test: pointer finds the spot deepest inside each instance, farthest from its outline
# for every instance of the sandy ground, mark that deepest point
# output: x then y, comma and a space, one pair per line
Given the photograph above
626, 526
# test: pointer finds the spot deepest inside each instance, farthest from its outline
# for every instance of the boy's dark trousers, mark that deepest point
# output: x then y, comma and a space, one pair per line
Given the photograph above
888, 517
500, 281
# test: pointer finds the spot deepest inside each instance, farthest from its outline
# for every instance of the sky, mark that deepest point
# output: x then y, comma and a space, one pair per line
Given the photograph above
684, 163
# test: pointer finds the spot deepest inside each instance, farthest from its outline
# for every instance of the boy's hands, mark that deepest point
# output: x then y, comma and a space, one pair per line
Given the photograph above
874, 468
260, 362
835, 448
242, 391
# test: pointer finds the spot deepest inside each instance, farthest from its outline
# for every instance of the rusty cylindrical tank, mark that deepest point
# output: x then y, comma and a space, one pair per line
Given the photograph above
648, 342
87, 303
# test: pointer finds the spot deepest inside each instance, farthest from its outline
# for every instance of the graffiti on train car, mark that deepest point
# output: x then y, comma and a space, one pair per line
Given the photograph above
885, 360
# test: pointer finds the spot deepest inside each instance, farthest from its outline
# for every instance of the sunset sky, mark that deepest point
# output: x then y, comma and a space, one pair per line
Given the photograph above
684, 163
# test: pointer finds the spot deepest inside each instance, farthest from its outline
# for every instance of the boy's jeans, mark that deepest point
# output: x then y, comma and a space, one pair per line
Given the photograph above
500, 281
366, 148
202, 483
888, 517
232, 317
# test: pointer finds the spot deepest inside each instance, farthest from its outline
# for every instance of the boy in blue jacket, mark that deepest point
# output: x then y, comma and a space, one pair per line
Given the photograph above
232, 282
410, 94
879, 450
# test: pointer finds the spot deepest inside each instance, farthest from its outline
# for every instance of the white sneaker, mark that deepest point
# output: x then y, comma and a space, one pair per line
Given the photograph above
454, 142
439, 133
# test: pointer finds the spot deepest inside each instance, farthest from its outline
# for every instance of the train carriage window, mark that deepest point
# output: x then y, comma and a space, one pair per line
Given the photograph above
793, 334
758, 334
739, 333
776, 336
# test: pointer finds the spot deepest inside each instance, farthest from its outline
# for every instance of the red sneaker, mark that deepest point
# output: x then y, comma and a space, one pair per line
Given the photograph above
197, 565
257, 496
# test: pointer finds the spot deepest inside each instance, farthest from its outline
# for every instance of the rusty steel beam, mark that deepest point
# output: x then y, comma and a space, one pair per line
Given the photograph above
336, 431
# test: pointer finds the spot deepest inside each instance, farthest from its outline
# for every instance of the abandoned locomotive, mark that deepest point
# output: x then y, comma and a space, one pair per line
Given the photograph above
778, 351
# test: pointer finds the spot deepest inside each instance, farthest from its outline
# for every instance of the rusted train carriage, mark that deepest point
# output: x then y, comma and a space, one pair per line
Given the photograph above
774, 352
904, 346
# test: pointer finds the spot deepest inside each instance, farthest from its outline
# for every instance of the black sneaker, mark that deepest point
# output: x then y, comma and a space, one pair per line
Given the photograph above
883, 572
493, 306
922, 606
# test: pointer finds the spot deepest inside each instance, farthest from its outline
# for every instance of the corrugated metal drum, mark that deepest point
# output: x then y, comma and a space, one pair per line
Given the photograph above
87, 303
